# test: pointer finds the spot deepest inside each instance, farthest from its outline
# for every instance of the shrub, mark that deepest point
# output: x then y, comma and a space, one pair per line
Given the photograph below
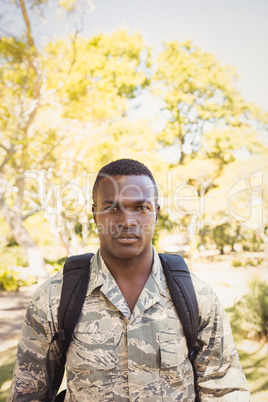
10, 280
251, 312
55, 265
13, 256
236, 263
252, 262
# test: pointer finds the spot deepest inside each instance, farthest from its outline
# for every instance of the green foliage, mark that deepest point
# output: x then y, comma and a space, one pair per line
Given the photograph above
99, 73
91, 227
251, 241
236, 263
56, 265
199, 93
252, 262
65, 111
11, 280
164, 224
251, 312
223, 234
254, 359
13, 273
12, 242
220, 235
7, 360
13, 256
224, 145
40, 230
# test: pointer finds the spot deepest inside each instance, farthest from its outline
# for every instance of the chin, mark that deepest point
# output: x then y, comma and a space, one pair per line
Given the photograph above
127, 252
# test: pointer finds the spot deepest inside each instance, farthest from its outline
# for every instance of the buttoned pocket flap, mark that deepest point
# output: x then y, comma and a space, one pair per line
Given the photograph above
92, 351
172, 348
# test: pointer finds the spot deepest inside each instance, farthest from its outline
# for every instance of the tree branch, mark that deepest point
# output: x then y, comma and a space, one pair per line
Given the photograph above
2, 146
31, 213
32, 62
28, 26
10, 152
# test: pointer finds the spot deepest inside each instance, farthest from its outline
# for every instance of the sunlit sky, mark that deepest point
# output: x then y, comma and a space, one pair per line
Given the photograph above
235, 30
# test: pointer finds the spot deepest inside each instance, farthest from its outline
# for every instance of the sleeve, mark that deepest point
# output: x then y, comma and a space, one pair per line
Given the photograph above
30, 375
219, 371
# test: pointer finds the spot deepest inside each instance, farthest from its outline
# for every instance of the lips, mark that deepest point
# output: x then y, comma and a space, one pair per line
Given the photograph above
127, 235
127, 238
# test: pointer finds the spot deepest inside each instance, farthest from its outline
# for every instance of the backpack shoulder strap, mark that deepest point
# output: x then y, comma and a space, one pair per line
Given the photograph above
74, 288
76, 273
183, 295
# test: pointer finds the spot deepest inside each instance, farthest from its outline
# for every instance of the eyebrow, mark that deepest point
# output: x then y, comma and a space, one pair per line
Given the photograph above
144, 201
138, 202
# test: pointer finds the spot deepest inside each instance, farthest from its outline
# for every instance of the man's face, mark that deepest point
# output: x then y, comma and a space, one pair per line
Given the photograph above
125, 214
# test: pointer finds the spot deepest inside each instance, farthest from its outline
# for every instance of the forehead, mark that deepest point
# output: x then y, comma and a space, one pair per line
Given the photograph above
125, 188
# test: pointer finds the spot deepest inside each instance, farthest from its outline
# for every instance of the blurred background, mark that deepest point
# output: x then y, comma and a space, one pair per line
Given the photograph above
181, 87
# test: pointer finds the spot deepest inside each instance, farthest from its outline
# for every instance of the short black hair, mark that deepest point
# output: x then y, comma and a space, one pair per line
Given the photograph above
123, 167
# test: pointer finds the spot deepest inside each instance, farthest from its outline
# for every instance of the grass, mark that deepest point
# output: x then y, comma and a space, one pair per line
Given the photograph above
7, 359
254, 359
255, 365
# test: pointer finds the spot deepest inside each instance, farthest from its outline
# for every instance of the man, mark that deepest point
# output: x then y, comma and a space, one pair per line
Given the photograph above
129, 343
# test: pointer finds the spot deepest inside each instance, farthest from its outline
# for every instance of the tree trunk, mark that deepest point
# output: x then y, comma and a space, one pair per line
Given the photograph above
23, 238
182, 157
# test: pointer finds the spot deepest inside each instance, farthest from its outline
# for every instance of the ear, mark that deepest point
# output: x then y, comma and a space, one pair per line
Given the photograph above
157, 210
94, 211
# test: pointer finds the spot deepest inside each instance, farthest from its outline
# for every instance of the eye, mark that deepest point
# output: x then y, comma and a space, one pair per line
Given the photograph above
143, 208
112, 208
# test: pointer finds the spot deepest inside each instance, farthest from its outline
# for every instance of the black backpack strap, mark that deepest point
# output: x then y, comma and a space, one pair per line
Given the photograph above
183, 295
74, 287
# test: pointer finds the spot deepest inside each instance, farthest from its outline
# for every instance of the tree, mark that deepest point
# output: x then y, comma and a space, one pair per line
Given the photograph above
240, 196
44, 93
21, 89
26, 143
211, 126
107, 72
94, 101
251, 312
198, 94
65, 112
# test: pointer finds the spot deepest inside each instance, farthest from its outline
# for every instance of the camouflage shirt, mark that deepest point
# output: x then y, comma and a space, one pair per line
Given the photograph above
116, 355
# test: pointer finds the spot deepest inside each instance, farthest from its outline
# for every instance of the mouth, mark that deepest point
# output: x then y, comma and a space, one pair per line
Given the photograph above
127, 238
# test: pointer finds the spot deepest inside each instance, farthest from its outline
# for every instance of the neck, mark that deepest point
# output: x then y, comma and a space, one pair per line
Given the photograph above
129, 269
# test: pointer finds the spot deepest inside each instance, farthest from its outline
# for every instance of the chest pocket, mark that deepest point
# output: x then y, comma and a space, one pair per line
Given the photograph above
173, 349
92, 351
176, 374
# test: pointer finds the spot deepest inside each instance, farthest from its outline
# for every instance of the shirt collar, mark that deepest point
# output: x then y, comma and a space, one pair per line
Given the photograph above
100, 275
159, 276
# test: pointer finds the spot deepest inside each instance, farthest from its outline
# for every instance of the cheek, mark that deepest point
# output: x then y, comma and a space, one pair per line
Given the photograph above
148, 228
102, 226
106, 227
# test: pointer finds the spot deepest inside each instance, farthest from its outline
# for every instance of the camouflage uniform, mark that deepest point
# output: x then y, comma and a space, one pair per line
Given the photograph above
119, 356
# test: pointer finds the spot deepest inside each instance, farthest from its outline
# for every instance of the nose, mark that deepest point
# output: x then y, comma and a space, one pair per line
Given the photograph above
128, 219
